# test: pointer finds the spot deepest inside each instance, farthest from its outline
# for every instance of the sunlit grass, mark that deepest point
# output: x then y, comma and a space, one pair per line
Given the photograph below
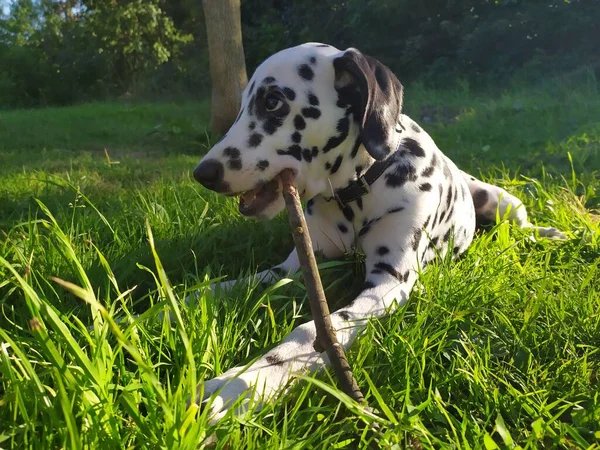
496, 350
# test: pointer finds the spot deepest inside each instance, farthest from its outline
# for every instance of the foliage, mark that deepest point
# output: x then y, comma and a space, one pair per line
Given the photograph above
467, 37
64, 51
498, 349
59, 52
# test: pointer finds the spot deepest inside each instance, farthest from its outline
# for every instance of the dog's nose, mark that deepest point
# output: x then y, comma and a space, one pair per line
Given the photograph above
209, 174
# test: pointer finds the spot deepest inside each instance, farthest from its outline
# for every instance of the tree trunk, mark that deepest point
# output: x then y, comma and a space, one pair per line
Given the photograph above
227, 64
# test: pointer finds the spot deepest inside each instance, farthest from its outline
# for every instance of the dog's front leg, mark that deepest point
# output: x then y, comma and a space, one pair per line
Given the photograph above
269, 276
270, 374
391, 275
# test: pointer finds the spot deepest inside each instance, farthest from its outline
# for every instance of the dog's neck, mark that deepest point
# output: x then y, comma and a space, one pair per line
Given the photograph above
325, 178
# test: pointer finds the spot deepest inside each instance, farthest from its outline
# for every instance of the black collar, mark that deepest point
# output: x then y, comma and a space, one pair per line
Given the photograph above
358, 188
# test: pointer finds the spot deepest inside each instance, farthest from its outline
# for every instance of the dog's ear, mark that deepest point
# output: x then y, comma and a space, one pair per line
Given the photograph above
375, 96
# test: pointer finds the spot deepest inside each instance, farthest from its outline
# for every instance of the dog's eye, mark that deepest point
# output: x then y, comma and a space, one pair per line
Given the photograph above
273, 103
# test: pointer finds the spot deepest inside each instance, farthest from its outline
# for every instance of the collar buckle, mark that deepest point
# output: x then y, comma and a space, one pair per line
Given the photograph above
364, 184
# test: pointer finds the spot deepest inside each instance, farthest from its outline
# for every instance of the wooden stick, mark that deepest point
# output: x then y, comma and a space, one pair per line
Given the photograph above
326, 336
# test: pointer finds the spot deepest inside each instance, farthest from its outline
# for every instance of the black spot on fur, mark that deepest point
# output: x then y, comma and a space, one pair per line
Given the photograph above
315, 152
296, 137
272, 124
313, 60
450, 213
442, 215
262, 164
323, 45
342, 127
255, 139
344, 315
426, 224
336, 164
327, 165
268, 80
405, 276
383, 250
299, 122
355, 148
416, 239
306, 72
359, 203
395, 210
252, 126
274, 360
343, 228
231, 152
293, 150
307, 155
368, 285
400, 176
364, 230
447, 235
311, 112
413, 147
416, 128
425, 187
251, 88
234, 164
447, 172
313, 100
289, 93
348, 213
480, 198
428, 172
449, 197
388, 268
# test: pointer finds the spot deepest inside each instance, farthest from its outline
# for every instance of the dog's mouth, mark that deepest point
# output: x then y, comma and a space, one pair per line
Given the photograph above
256, 200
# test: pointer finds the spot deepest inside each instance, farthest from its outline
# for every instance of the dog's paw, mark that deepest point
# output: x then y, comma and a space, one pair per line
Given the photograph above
241, 389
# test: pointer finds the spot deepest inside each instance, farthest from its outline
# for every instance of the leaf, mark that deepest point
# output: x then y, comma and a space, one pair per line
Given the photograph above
502, 431
489, 442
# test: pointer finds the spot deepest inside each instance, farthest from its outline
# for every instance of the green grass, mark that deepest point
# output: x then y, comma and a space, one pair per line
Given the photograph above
495, 350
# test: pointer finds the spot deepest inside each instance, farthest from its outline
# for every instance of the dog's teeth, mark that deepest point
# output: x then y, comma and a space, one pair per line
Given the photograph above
249, 197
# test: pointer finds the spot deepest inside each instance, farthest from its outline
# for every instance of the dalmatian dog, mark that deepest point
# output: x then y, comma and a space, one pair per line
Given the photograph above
372, 178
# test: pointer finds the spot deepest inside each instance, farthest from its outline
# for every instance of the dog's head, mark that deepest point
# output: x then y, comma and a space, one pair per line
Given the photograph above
325, 114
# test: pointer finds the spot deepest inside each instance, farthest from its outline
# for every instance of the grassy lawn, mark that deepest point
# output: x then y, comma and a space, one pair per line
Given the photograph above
495, 350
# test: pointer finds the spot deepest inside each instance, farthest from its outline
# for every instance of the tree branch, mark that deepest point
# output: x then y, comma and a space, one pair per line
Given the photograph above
326, 335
